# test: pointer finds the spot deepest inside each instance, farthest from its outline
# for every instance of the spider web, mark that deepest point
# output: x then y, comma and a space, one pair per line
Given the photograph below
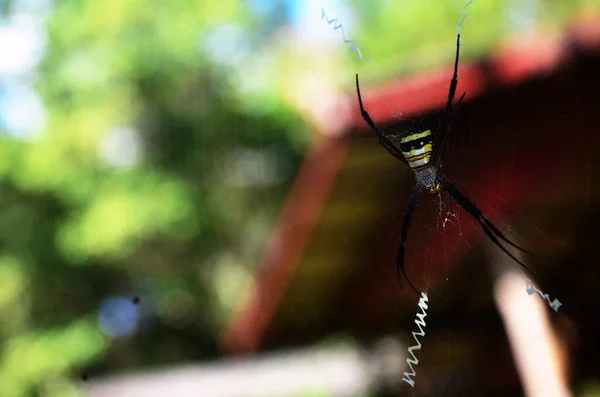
511, 153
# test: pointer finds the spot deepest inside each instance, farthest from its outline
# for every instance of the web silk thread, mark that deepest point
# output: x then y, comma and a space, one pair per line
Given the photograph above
337, 26
459, 26
409, 377
554, 304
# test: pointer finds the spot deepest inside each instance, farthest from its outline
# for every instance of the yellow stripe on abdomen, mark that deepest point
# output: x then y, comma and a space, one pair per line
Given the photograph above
417, 148
419, 161
414, 137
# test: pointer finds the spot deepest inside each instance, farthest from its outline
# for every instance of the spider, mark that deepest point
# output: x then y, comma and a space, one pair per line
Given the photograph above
418, 150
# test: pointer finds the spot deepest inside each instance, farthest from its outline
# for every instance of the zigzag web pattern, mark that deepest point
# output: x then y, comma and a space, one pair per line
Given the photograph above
409, 377
554, 304
337, 26
459, 26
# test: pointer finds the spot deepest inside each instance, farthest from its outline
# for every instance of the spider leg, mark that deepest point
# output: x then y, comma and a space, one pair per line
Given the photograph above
383, 141
484, 219
486, 225
460, 100
449, 113
454, 113
444, 134
410, 210
453, 83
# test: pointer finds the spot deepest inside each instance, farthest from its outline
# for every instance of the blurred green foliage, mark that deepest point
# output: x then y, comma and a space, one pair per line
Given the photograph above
77, 229
184, 224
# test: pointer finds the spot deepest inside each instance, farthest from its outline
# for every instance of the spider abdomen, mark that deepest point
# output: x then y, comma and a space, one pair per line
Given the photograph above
428, 177
417, 149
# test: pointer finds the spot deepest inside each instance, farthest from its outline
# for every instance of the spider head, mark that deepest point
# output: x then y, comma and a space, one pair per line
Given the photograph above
416, 148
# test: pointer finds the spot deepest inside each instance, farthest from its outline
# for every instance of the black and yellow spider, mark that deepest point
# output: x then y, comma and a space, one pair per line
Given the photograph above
418, 150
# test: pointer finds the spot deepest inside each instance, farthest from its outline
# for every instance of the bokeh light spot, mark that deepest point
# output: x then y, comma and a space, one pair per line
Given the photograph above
118, 317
